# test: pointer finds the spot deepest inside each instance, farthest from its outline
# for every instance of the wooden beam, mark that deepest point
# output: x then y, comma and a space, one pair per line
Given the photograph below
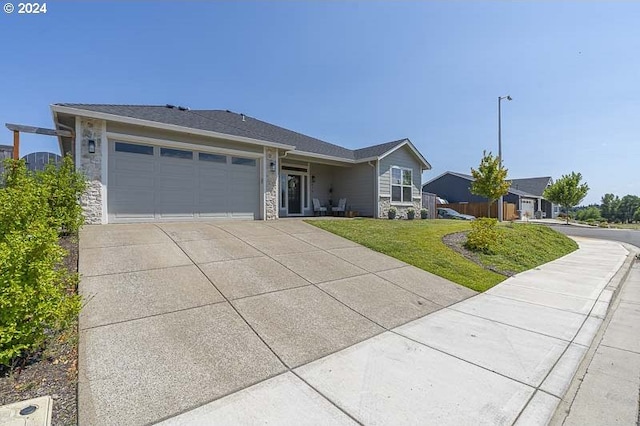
38, 130
16, 145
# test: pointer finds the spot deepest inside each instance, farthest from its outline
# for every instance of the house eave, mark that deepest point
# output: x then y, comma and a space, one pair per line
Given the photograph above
163, 126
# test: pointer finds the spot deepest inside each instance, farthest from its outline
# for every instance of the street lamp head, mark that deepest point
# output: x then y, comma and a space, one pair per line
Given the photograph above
509, 98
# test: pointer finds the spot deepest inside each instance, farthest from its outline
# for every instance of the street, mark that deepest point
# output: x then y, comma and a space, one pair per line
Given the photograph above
626, 236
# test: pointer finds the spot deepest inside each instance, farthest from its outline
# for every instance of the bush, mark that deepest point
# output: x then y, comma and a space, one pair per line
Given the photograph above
483, 235
391, 214
411, 214
424, 214
34, 288
65, 186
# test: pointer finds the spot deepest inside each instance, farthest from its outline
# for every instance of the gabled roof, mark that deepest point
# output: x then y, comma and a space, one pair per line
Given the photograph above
513, 189
535, 185
234, 124
377, 150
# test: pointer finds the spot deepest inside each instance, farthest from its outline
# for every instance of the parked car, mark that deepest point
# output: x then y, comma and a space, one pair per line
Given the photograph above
447, 213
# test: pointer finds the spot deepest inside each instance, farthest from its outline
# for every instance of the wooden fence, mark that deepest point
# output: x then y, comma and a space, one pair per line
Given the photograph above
480, 209
429, 203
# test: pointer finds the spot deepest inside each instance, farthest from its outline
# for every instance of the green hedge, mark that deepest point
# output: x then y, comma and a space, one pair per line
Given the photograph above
36, 291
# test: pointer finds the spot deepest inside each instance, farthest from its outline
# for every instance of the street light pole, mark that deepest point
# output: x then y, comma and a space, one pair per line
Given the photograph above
500, 201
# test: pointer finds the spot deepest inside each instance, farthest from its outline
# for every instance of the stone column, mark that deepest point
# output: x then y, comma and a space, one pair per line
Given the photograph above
271, 184
91, 166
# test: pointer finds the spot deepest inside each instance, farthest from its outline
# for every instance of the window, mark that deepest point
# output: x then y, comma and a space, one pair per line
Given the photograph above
176, 153
134, 148
213, 158
243, 161
401, 185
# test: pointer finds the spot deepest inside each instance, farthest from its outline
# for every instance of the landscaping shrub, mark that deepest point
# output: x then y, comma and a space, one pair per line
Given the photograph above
411, 214
424, 214
483, 235
34, 287
64, 186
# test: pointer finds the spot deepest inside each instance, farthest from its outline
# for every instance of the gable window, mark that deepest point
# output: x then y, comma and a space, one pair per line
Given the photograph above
401, 185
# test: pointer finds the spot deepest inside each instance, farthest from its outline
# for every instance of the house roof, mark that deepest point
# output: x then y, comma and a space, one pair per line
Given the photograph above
235, 124
518, 189
535, 185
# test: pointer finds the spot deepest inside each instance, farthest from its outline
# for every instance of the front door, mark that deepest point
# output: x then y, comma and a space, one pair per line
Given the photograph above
294, 195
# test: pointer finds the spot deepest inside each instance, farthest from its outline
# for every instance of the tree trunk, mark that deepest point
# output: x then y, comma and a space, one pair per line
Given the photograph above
566, 210
489, 209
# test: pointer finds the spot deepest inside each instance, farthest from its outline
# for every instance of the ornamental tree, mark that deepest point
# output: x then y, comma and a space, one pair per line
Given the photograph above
490, 179
567, 191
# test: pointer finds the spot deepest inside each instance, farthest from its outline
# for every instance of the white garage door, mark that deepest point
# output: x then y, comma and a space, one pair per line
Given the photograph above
150, 183
527, 207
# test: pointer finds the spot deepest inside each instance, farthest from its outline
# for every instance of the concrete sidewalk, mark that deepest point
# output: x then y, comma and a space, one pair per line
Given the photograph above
605, 390
503, 357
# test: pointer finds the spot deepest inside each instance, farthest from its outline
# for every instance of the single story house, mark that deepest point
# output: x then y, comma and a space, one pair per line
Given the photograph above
163, 163
526, 194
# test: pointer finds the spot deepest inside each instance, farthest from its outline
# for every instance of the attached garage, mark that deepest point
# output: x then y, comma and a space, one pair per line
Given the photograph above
156, 183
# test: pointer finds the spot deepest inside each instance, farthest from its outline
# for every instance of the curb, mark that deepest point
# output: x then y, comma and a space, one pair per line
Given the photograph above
616, 283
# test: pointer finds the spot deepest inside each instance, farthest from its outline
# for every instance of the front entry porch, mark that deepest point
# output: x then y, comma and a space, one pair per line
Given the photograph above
302, 182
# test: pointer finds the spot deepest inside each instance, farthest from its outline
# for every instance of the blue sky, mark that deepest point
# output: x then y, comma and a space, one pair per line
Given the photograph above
356, 74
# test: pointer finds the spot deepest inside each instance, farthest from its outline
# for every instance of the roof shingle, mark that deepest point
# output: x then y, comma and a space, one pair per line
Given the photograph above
235, 124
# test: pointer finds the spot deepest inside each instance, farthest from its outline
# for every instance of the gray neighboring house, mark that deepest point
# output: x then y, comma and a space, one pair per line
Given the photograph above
163, 163
526, 194
6, 151
39, 160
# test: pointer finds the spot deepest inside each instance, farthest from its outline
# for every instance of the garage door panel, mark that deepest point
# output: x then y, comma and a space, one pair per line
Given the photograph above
132, 204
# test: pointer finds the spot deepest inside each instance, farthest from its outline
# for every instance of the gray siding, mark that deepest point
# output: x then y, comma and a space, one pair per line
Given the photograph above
324, 176
403, 157
356, 184
179, 137
456, 189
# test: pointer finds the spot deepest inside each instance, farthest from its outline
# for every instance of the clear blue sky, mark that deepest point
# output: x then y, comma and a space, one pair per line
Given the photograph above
356, 74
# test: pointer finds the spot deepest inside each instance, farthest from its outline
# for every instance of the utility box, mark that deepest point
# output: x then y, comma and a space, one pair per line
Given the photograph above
32, 412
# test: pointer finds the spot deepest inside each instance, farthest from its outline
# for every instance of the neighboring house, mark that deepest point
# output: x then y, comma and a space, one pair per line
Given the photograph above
38, 160
159, 163
6, 151
526, 194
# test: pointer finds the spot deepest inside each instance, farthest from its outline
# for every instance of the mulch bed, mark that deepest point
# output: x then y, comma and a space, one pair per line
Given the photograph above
456, 242
52, 370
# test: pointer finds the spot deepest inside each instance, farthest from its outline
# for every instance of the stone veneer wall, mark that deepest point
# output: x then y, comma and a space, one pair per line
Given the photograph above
271, 185
91, 166
385, 204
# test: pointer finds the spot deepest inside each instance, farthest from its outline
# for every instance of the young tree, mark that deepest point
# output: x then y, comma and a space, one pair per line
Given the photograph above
567, 191
490, 179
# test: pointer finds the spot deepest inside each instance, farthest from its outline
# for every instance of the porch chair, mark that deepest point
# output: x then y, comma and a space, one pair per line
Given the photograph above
317, 208
342, 204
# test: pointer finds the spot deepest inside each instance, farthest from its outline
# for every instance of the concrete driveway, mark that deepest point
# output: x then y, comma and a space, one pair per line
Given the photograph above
181, 314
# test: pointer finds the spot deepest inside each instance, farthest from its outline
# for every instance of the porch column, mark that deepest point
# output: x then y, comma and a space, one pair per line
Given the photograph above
271, 184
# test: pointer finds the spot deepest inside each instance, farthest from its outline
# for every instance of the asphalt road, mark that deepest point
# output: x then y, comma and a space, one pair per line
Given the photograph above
626, 236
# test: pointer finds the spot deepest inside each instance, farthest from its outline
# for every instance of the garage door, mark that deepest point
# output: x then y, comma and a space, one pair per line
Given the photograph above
151, 183
527, 207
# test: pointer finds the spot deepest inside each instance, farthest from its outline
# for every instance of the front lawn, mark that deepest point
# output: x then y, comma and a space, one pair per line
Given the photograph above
419, 243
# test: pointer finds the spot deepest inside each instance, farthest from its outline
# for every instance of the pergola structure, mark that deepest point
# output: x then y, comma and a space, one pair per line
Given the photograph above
17, 128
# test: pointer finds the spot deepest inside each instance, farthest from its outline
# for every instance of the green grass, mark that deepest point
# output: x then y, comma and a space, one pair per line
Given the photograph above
419, 243
525, 246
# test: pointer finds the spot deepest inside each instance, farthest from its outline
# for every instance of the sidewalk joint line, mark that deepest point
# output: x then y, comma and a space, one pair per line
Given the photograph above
150, 316
285, 365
